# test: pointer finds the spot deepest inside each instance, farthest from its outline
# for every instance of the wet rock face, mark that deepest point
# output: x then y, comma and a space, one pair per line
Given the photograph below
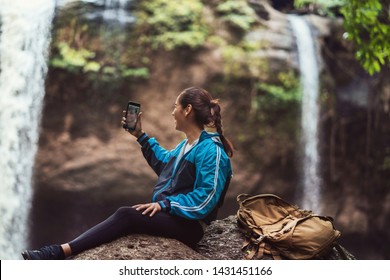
222, 241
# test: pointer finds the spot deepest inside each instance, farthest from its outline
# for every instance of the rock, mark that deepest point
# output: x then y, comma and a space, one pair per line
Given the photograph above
141, 247
222, 241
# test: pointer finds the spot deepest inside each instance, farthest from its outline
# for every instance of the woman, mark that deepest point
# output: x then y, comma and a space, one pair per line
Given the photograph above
191, 185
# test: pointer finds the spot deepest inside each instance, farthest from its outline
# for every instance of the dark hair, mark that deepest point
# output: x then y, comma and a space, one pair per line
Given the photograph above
207, 112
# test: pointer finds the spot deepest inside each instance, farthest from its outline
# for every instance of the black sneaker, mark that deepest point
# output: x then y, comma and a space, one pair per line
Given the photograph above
52, 252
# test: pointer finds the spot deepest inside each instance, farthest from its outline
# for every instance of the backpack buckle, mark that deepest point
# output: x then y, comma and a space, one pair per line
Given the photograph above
259, 239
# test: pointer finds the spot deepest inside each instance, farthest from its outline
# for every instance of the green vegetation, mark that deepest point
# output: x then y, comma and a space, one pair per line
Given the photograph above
367, 25
167, 24
74, 59
236, 13
281, 96
86, 46
323, 7
242, 62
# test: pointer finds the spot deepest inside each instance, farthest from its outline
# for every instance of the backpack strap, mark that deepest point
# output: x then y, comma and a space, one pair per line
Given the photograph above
340, 250
251, 253
268, 249
241, 197
252, 245
259, 247
261, 250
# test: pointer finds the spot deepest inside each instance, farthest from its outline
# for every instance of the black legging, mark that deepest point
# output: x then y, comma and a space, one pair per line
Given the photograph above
127, 220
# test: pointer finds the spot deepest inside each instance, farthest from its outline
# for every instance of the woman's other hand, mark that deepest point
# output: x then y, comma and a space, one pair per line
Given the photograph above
151, 208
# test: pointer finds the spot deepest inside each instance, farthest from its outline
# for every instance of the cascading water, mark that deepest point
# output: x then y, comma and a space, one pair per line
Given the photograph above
310, 111
113, 10
24, 39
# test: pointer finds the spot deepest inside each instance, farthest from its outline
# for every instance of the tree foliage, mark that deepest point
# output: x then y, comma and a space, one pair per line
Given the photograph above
237, 13
324, 7
367, 25
170, 25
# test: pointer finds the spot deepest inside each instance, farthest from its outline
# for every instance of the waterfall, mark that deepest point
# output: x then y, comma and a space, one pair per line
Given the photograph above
311, 182
113, 11
24, 38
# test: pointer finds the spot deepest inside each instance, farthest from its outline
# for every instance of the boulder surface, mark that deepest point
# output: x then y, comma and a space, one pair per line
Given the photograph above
222, 241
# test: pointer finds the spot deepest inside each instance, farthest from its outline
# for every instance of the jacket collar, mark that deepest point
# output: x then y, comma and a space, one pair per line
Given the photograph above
206, 135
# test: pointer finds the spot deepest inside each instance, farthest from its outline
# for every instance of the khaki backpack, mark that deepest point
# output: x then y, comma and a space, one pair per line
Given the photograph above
274, 226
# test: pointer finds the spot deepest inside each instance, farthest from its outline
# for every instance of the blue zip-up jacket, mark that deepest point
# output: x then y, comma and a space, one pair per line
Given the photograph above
192, 186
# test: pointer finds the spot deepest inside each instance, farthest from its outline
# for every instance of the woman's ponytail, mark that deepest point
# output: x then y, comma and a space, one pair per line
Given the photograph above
217, 123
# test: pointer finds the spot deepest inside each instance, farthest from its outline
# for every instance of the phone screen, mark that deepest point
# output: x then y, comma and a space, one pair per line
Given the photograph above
132, 112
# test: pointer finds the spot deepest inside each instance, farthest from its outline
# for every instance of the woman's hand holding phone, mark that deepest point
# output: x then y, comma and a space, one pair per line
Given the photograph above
137, 131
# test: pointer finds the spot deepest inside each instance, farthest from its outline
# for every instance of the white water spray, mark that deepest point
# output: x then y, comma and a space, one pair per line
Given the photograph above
310, 112
24, 38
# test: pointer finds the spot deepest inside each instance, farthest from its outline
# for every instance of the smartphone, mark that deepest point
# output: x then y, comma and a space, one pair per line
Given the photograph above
132, 112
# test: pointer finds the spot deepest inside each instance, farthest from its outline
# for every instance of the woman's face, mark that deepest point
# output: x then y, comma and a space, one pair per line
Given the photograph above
179, 115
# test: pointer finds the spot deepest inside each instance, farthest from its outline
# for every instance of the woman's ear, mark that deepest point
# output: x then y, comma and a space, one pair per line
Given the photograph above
188, 109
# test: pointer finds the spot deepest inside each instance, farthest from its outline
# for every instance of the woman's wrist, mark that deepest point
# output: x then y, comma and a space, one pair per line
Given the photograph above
138, 134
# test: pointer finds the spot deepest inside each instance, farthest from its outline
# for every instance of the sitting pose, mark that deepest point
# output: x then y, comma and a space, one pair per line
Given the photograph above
192, 181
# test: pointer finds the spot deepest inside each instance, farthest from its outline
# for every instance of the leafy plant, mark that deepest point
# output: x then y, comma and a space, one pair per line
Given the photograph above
141, 72
367, 23
237, 13
74, 59
324, 7
170, 25
82, 59
275, 96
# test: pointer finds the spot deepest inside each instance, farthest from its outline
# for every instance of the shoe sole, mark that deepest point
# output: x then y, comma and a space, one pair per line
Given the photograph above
26, 255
